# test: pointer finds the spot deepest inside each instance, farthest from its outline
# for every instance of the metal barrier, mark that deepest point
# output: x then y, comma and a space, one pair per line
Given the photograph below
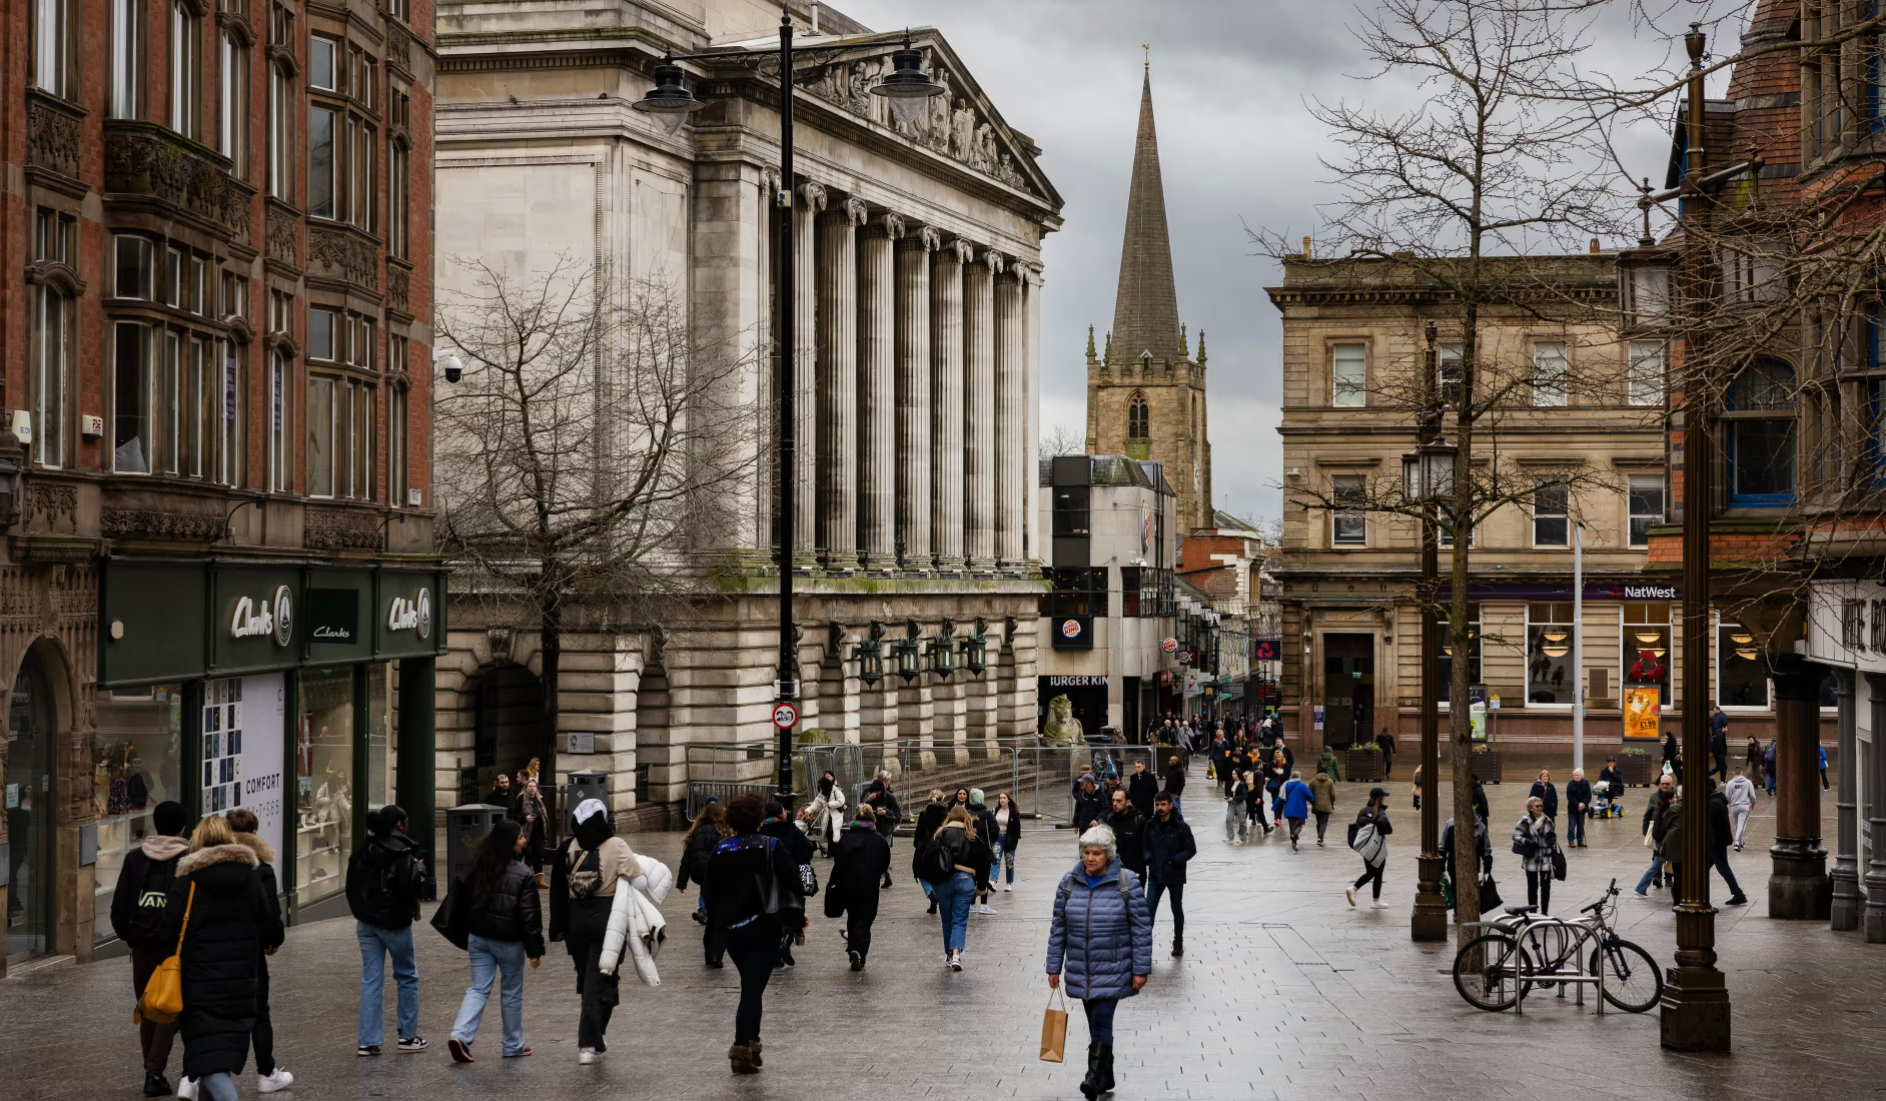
699, 791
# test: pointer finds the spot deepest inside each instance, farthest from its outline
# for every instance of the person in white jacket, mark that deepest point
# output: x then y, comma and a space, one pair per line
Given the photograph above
1741, 796
824, 815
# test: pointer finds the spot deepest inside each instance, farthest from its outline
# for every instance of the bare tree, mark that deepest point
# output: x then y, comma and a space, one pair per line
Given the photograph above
590, 450
1446, 202
1062, 439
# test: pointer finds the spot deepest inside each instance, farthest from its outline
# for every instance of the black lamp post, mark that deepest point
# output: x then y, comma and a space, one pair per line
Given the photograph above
910, 652
907, 87
1427, 479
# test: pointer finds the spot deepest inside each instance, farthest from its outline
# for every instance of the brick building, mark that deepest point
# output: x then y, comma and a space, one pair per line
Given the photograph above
214, 536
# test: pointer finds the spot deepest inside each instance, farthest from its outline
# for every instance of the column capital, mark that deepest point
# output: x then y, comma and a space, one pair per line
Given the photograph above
855, 209
769, 177
886, 225
993, 260
812, 194
960, 251
924, 239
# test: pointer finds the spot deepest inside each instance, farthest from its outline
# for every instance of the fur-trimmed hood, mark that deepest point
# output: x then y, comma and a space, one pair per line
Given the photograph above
220, 867
161, 847
264, 852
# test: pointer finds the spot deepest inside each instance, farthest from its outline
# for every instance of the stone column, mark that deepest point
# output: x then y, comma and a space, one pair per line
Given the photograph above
1031, 382
915, 492
805, 537
1010, 440
1873, 920
947, 410
1847, 902
877, 392
1799, 888
979, 408
837, 384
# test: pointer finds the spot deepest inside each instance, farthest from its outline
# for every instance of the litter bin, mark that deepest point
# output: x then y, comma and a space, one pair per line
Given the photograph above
464, 827
583, 784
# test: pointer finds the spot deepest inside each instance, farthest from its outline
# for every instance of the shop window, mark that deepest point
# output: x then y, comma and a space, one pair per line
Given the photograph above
1646, 506
133, 267
324, 782
1548, 373
131, 398
1645, 387
1349, 376
1760, 425
137, 762
1349, 523
1444, 665
1741, 671
1551, 513
379, 778
1550, 678
1646, 649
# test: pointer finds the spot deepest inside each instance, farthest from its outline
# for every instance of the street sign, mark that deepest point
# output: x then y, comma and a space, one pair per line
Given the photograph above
1170, 646
1185, 657
785, 715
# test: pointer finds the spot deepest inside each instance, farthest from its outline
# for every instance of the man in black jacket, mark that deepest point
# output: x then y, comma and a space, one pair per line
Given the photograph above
137, 916
1141, 789
886, 813
860, 859
385, 878
1129, 833
1087, 804
1169, 845
1721, 833
1221, 760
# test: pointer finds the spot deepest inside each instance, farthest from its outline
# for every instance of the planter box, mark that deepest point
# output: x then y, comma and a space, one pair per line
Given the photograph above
1637, 769
1486, 767
1361, 766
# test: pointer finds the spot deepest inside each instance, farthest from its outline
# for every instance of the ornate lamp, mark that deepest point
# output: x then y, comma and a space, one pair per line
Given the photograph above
910, 652
869, 654
976, 648
1427, 472
908, 87
669, 100
943, 650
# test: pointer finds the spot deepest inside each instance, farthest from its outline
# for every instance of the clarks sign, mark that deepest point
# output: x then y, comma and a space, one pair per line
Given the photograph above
411, 615
251, 620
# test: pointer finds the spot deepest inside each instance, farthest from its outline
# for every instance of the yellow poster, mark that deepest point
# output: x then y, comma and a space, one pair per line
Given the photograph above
1640, 713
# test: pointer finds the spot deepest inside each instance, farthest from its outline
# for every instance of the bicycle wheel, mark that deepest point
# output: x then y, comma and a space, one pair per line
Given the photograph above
1489, 972
1632, 980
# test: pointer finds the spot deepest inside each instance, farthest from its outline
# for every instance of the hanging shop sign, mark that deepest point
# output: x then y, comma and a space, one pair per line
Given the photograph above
1077, 682
1627, 592
333, 616
410, 615
1267, 649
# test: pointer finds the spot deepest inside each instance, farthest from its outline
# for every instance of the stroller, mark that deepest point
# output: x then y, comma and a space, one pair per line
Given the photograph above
1607, 799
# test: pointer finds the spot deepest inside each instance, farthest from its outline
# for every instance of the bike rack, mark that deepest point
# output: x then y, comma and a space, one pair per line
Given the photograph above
1579, 931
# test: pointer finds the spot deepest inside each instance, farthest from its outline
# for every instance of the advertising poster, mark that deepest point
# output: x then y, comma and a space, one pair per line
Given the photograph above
242, 751
1640, 713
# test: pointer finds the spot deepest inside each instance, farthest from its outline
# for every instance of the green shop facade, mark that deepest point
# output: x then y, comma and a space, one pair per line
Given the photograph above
271, 685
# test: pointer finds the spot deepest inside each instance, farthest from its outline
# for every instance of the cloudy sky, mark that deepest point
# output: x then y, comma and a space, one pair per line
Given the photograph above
1237, 146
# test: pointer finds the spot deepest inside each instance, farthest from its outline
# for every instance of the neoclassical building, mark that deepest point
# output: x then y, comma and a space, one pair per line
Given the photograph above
917, 308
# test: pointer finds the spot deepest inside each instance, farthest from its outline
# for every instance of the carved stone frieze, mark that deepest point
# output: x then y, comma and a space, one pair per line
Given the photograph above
399, 46
52, 139
283, 231
340, 529
142, 523
398, 288
344, 254
143, 159
47, 505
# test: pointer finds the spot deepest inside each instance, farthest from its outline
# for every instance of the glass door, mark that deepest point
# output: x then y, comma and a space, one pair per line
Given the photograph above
30, 734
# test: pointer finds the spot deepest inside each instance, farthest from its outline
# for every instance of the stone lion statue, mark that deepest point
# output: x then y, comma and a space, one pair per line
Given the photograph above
1062, 727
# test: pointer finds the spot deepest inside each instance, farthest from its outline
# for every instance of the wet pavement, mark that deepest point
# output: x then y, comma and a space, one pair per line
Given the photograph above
1284, 992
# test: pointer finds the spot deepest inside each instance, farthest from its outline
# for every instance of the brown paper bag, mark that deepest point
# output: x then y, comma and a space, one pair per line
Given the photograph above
1054, 1029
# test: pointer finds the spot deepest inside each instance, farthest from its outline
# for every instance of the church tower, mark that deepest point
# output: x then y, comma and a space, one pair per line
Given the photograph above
1145, 389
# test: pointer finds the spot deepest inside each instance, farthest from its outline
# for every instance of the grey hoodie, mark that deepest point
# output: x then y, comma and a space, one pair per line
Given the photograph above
1740, 792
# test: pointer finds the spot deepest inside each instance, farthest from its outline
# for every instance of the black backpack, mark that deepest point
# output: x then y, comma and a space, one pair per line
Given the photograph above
934, 864
153, 898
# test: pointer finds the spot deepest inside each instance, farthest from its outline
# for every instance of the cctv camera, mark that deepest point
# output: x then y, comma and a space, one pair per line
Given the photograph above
454, 369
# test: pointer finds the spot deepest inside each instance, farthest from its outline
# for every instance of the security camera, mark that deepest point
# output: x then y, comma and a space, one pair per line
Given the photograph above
454, 369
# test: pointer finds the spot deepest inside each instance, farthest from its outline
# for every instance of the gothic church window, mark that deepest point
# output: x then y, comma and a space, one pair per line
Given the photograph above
1139, 419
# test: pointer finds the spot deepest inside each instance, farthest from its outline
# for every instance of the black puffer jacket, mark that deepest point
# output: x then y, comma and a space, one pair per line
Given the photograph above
1169, 845
929, 820
385, 880
513, 912
230, 922
694, 858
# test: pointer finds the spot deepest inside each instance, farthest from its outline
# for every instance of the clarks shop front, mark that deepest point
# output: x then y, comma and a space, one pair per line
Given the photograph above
266, 685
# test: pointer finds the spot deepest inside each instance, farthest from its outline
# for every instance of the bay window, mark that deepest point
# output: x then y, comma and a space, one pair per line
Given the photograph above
132, 267
1759, 423
279, 456
321, 163
131, 398
321, 436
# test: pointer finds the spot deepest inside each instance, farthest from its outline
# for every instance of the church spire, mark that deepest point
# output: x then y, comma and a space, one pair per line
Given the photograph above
1146, 306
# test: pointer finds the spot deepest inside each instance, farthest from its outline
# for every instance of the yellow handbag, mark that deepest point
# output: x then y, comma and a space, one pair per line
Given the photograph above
162, 1002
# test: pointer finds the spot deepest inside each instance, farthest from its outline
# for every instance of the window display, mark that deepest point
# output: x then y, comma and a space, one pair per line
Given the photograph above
379, 766
1549, 672
324, 756
1741, 672
1646, 649
137, 754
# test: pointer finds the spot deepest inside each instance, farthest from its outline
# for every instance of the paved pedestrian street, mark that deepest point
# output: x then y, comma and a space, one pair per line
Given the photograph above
1284, 992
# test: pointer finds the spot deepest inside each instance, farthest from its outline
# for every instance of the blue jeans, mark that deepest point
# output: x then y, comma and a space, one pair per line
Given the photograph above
1004, 858
488, 959
953, 898
1574, 827
220, 1086
375, 945
1650, 873
1100, 1018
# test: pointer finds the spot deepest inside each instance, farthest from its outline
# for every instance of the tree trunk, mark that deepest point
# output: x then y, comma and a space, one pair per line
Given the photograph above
550, 624
1460, 708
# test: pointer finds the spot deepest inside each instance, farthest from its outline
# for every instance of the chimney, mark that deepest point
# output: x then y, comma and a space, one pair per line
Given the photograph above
1594, 246
1306, 248
815, 16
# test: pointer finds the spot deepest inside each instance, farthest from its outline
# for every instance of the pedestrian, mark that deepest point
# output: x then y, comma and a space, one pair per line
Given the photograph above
1671, 849
826, 810
1577, 808
778, 826
1534, 839
505, 927
1768, 764
1220, 760
1672, 753
968, 857
138, 917
1544, 790
986, 829
1008, 836
1169, 846
1483, 848
1719, 742
697, 847
1823, 752
1254, 802
1654, 828
1330, 765
501, 792
1368, 836
1101, 941
1141, 789
220, 921
1386, 743
1753, 754
1610, 790
1480, 800
1740, 795
1322, 802
584, 879
1293, 802
1238, 810
1720, 834
1175, 781
533, 820
385, 879
270, 1077
860, 859
753, 898
928, 821
888, 814
1087, 803
1129, 834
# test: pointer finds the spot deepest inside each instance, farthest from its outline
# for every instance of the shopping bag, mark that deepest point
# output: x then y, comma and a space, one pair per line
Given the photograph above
1054, 1029
1489, 895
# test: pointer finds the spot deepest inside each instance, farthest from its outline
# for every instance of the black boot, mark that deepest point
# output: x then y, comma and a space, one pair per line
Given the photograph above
1104, 1076
1089, 1085
1178, 944
156, 1085
933, 904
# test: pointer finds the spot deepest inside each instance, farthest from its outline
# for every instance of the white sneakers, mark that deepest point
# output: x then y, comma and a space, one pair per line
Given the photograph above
956, 960
186, 1089
279, 1080
1378, 904
585, 1055
1350, 893
1011, 886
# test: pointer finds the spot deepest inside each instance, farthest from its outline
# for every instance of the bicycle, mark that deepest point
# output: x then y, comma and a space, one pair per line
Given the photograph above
1495, 971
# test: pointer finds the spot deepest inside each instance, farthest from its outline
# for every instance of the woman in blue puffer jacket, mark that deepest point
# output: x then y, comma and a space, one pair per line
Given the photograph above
1103, 935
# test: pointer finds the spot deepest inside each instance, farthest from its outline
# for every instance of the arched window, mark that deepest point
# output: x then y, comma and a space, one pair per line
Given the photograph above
1139, 418
1759, 419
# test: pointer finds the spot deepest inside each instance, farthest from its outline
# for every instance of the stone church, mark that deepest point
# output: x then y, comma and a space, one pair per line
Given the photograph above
918, 289
1145, 388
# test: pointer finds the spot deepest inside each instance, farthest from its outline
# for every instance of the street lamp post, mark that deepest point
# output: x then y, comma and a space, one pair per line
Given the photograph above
1427, 475
907, 87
